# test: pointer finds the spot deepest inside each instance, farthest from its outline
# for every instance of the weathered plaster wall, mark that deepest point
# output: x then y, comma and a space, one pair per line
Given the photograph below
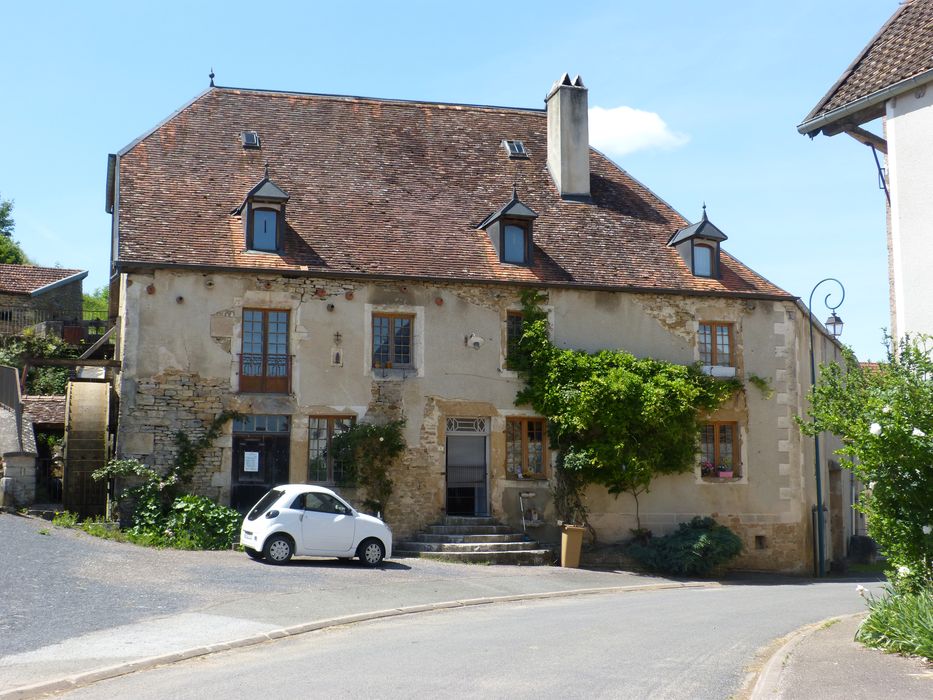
908, 126
182, 331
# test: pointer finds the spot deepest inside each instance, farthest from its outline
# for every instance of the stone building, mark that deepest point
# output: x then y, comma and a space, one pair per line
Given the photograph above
30, 295
315, 260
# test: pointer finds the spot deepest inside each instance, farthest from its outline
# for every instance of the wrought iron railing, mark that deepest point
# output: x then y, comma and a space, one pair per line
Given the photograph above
265, 374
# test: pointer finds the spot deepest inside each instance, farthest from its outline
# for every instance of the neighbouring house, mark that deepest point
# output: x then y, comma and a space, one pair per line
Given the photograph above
312, 261
31, 295
891, 79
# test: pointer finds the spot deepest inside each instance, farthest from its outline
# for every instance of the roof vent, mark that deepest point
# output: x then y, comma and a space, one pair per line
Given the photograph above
250, 139
515, 148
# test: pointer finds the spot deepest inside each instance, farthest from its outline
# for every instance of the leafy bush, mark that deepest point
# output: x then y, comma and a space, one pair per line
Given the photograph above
884, 417
40, 381
367, 453
696, 548
901, 623
196, 522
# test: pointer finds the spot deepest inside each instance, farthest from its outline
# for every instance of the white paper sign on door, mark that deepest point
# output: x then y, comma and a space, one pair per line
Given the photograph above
251, 462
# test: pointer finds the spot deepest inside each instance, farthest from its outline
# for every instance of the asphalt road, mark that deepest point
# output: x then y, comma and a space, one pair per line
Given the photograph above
687, 643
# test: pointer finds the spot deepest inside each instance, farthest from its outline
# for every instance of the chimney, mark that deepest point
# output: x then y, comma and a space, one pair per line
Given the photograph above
568, 138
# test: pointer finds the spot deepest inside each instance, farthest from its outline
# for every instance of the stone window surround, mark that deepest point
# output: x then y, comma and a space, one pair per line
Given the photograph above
739, 455
417, 342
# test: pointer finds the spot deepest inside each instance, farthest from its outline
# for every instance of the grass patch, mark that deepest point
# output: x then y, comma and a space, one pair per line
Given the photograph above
876, 567
900, 623
829, 623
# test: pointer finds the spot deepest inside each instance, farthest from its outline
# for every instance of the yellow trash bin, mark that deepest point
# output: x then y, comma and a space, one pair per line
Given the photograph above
571, 540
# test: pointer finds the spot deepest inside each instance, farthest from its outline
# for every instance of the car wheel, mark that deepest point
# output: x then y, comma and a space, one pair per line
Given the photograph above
278, 549
252, 553
371, 552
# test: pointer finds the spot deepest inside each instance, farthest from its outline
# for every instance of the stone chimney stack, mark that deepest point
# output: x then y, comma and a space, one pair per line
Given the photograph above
568, 138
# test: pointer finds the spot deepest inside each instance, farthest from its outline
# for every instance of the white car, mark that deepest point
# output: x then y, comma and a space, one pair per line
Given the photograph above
312, 521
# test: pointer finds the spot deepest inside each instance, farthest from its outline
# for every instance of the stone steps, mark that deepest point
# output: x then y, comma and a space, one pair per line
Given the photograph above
477, 540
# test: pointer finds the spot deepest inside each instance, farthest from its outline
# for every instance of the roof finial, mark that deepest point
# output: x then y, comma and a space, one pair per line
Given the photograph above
704, 211
211, 76
267, 169
514, 191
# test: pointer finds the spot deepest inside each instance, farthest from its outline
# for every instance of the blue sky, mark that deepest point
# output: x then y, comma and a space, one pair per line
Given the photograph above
697, 100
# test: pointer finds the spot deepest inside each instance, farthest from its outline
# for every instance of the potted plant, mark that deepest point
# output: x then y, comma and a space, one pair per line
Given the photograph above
725, 471
568, 501
707, 468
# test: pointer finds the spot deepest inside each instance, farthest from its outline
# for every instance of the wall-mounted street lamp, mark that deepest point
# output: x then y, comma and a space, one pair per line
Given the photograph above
834, 326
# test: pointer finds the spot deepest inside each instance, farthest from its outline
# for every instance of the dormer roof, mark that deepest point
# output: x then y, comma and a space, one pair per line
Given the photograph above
515, 209
704, 228
264, 191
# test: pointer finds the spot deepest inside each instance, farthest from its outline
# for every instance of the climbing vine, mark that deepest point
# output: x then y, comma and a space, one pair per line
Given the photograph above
618, 420
367, 453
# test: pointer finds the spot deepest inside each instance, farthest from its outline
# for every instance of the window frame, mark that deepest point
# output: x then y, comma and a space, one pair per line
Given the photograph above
718, 427
265, 382
713, 264
511, 339
714, 346
525, 225
251, 209
523, 422
391, 362
328, 454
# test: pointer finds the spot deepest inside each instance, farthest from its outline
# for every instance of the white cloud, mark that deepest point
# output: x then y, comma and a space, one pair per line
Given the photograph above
618, 131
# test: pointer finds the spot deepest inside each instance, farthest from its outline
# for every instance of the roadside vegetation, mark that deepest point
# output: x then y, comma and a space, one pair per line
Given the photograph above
160, 511
884, 417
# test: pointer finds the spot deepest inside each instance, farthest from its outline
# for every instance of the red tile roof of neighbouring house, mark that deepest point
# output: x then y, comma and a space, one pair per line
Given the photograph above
900, 51
393, 189
45, 410
30, 279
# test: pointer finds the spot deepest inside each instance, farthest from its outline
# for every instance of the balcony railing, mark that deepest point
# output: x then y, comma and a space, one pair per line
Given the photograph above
265, 374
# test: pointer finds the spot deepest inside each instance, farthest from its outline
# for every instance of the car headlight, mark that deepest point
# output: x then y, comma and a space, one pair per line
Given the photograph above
272, 514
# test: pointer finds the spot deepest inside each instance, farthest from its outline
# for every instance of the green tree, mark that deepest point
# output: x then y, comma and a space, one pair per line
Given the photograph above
40, 381
617, 420
10, 251
884, 417
6, 217
97, 302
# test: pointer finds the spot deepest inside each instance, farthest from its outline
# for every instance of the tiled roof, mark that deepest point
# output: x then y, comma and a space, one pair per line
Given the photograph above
394, 189
901, 50
45, 409
25, 279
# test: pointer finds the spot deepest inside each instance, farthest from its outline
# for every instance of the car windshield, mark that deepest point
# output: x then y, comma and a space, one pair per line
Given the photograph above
264, 504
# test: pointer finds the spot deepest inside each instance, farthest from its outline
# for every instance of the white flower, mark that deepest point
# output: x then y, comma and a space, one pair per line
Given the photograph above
927, 529
871, 485
861, 590
886, 409
875, 429
903, 570
918, 433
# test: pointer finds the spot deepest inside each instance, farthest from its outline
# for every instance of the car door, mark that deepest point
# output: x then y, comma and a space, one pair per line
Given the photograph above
327, 525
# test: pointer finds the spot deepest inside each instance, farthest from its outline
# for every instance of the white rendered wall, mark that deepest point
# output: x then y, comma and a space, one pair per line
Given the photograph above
909, 132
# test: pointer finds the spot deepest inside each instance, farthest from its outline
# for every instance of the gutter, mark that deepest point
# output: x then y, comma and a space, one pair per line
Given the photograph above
812, 128
60, 283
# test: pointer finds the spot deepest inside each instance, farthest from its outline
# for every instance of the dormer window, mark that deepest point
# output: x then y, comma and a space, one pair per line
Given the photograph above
510, 231
698, 245
263, 213
265, 229
515, 242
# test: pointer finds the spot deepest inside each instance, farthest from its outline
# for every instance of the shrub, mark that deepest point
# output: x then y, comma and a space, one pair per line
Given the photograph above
900, 622
196, 522
884, 417
696, 548
367, 453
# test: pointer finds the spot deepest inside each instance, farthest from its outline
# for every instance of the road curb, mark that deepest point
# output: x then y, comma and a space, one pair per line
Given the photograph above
768, 679
88, 677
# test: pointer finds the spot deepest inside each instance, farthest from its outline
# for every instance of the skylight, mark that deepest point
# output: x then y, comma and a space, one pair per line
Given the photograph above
515, 148
250, 139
